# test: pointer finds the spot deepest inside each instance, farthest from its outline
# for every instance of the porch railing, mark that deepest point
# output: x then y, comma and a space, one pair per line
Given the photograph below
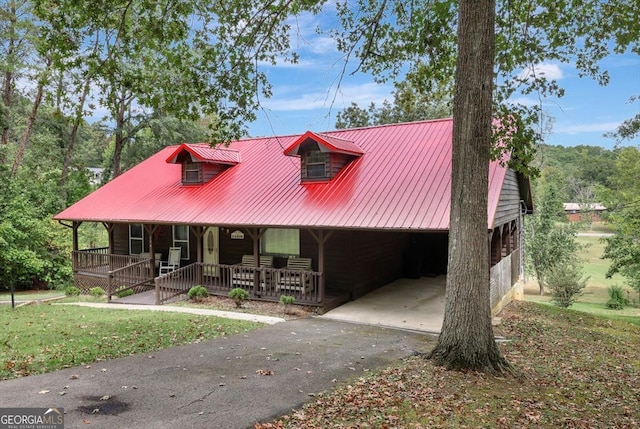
219, 279
99, 260
137, 277
98, 268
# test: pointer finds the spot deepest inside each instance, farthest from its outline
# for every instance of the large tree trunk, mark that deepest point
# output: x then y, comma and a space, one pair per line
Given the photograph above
467, 340
72, 140
7, 85
121, 104
26, 135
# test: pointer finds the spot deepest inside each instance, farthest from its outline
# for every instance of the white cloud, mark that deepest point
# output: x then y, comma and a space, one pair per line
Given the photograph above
362, 94
601, 127
548, 70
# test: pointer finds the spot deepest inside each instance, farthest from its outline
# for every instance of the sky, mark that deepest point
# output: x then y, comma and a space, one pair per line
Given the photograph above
307, 96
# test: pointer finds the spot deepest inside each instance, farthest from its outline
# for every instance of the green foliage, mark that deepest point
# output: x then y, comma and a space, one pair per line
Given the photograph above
411, 103
72, 291
239, 296
33, 248
96, 292
547, 241
198, 293
123, 291
617, 300
565, 282
287, 299
622, 200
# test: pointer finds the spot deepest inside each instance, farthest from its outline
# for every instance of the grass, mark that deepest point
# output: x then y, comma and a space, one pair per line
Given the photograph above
42, 338
572, 370
595, 295
32, 295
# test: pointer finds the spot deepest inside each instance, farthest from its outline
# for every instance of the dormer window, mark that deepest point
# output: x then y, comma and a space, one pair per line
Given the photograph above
322, 156
200, 163
315, 165
191, 172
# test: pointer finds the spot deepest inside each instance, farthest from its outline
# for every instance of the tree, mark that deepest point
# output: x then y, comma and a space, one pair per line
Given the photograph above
466, 341
411, 102
566, 282
623, 203
548, 241
629, 128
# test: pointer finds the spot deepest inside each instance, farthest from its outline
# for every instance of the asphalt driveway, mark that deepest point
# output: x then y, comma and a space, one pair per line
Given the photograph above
231, 382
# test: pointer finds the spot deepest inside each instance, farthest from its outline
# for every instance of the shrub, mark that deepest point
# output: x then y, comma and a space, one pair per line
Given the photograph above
72, 291
239, 296
617, 300
565, 283
287, 301
96, 292
123, 291
198, 293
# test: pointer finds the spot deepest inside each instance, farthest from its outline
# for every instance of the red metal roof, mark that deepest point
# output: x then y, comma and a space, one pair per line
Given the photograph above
333, 143
401, 182
206, 153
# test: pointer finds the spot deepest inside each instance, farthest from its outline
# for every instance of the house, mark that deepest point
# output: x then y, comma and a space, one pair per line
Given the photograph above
577, 212
332, 216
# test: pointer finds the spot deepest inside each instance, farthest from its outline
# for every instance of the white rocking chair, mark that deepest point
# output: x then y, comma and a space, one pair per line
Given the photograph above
173, 261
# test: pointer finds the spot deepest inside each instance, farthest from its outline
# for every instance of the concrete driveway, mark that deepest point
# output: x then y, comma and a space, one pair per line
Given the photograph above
416, 305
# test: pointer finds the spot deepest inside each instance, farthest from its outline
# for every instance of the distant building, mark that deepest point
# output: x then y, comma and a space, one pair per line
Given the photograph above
95, 175
577, 212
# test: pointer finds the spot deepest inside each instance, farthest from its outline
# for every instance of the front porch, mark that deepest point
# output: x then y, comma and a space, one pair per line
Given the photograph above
118, 273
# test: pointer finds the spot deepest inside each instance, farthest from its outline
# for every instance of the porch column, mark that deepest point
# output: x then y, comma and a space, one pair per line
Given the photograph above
321, 238
198, 232
256, 234
75, 227
151, 230
74, 259
109, 228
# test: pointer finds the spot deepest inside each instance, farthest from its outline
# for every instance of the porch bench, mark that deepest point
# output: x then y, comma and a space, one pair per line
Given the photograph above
242, 273
296, 276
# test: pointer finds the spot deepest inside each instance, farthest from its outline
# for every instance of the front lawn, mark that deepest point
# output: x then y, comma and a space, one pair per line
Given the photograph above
573, 370
41, 338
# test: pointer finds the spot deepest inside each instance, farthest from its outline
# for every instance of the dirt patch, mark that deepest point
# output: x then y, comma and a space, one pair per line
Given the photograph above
264, 308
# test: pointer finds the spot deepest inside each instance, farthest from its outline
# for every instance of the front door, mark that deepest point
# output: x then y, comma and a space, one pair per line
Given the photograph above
211, 250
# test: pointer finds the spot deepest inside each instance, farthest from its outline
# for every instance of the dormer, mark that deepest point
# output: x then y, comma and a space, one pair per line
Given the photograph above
322, 156
200, 162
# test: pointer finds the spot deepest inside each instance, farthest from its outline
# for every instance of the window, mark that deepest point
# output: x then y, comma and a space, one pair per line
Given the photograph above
285, 242
136, 239
315, 164
191, 172
181, 239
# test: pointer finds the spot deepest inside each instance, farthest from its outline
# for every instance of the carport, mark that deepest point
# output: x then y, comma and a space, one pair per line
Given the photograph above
411, 304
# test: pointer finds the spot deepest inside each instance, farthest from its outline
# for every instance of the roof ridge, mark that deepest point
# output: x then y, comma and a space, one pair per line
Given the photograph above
212, 147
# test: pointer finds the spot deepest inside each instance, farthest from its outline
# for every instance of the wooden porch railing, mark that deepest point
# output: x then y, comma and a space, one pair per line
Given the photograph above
135, 276
219, 279
98, 268
99, 260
